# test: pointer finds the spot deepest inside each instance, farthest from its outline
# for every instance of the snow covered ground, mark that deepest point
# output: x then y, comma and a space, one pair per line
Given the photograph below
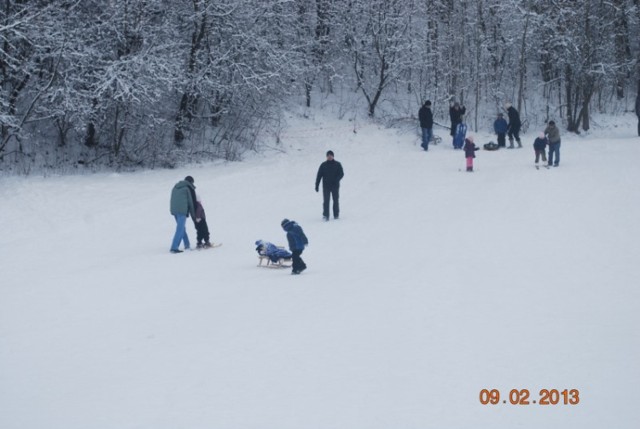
434, 285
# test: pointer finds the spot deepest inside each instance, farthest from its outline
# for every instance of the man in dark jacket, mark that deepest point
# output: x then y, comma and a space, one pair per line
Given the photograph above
426, 123
330, 172
456, 111
182, 205
297, 242
553, 136
514, 125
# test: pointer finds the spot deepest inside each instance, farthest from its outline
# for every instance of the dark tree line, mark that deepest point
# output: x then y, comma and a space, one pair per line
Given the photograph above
128, 83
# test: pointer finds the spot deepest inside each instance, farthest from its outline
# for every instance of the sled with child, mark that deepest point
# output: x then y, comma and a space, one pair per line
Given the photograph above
272, 256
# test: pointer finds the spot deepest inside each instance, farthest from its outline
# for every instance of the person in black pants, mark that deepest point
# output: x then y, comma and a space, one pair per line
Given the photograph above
456, 112
514, 125
330, 172
426, 124
297, 242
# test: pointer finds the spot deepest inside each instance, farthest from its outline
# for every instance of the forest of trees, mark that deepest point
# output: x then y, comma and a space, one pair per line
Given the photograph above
153, 83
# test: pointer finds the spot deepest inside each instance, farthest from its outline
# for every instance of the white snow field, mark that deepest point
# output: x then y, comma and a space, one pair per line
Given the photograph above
434, 285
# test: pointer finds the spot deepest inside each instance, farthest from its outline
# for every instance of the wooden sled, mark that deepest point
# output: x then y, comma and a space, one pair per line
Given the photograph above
281, 263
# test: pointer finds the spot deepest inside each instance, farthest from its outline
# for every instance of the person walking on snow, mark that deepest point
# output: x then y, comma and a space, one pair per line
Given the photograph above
202, 229
426, 124
514, 125
553, 135
182, 204
469, 152
456, 112
297, 242
500, 127
539, 146
331, 173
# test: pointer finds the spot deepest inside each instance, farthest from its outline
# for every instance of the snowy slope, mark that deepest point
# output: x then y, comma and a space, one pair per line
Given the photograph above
434, 285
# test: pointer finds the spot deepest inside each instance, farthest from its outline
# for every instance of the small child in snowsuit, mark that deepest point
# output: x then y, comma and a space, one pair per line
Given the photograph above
461, 132
500, 127
539, 146
297, 242
202, 228
469, 152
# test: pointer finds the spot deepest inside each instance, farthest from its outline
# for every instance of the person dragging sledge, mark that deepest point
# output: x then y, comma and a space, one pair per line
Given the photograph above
297, 242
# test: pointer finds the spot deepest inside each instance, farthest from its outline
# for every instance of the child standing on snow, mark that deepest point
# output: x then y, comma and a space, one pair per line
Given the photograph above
539, 146
500, 127
461, 132
469, 152
202, 228
297, 241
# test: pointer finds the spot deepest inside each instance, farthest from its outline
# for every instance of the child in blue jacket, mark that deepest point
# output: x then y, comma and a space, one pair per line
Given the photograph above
461, 133
500, 127
297, 242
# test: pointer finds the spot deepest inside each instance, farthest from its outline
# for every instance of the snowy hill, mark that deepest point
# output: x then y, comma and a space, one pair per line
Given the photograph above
434, 285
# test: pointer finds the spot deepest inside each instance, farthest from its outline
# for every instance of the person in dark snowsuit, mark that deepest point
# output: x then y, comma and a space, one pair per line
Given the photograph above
426, 124
514, 125
470, 152
461, 134
539, 146
500, 127
182, 205
202, 229
297, 242
638, 108
331, 173
455, 114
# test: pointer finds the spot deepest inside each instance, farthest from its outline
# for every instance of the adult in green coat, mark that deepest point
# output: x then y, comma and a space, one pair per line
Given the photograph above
181, 206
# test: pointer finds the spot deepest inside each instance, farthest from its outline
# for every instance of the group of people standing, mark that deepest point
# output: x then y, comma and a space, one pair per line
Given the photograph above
185, 202
502, 128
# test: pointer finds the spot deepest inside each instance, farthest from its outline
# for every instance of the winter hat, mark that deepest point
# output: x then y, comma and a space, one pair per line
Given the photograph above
427, 103
552, 123
284, 222
470, 138
330, 152
198, 199
541, 135
508, 104
500, 115
189, 179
